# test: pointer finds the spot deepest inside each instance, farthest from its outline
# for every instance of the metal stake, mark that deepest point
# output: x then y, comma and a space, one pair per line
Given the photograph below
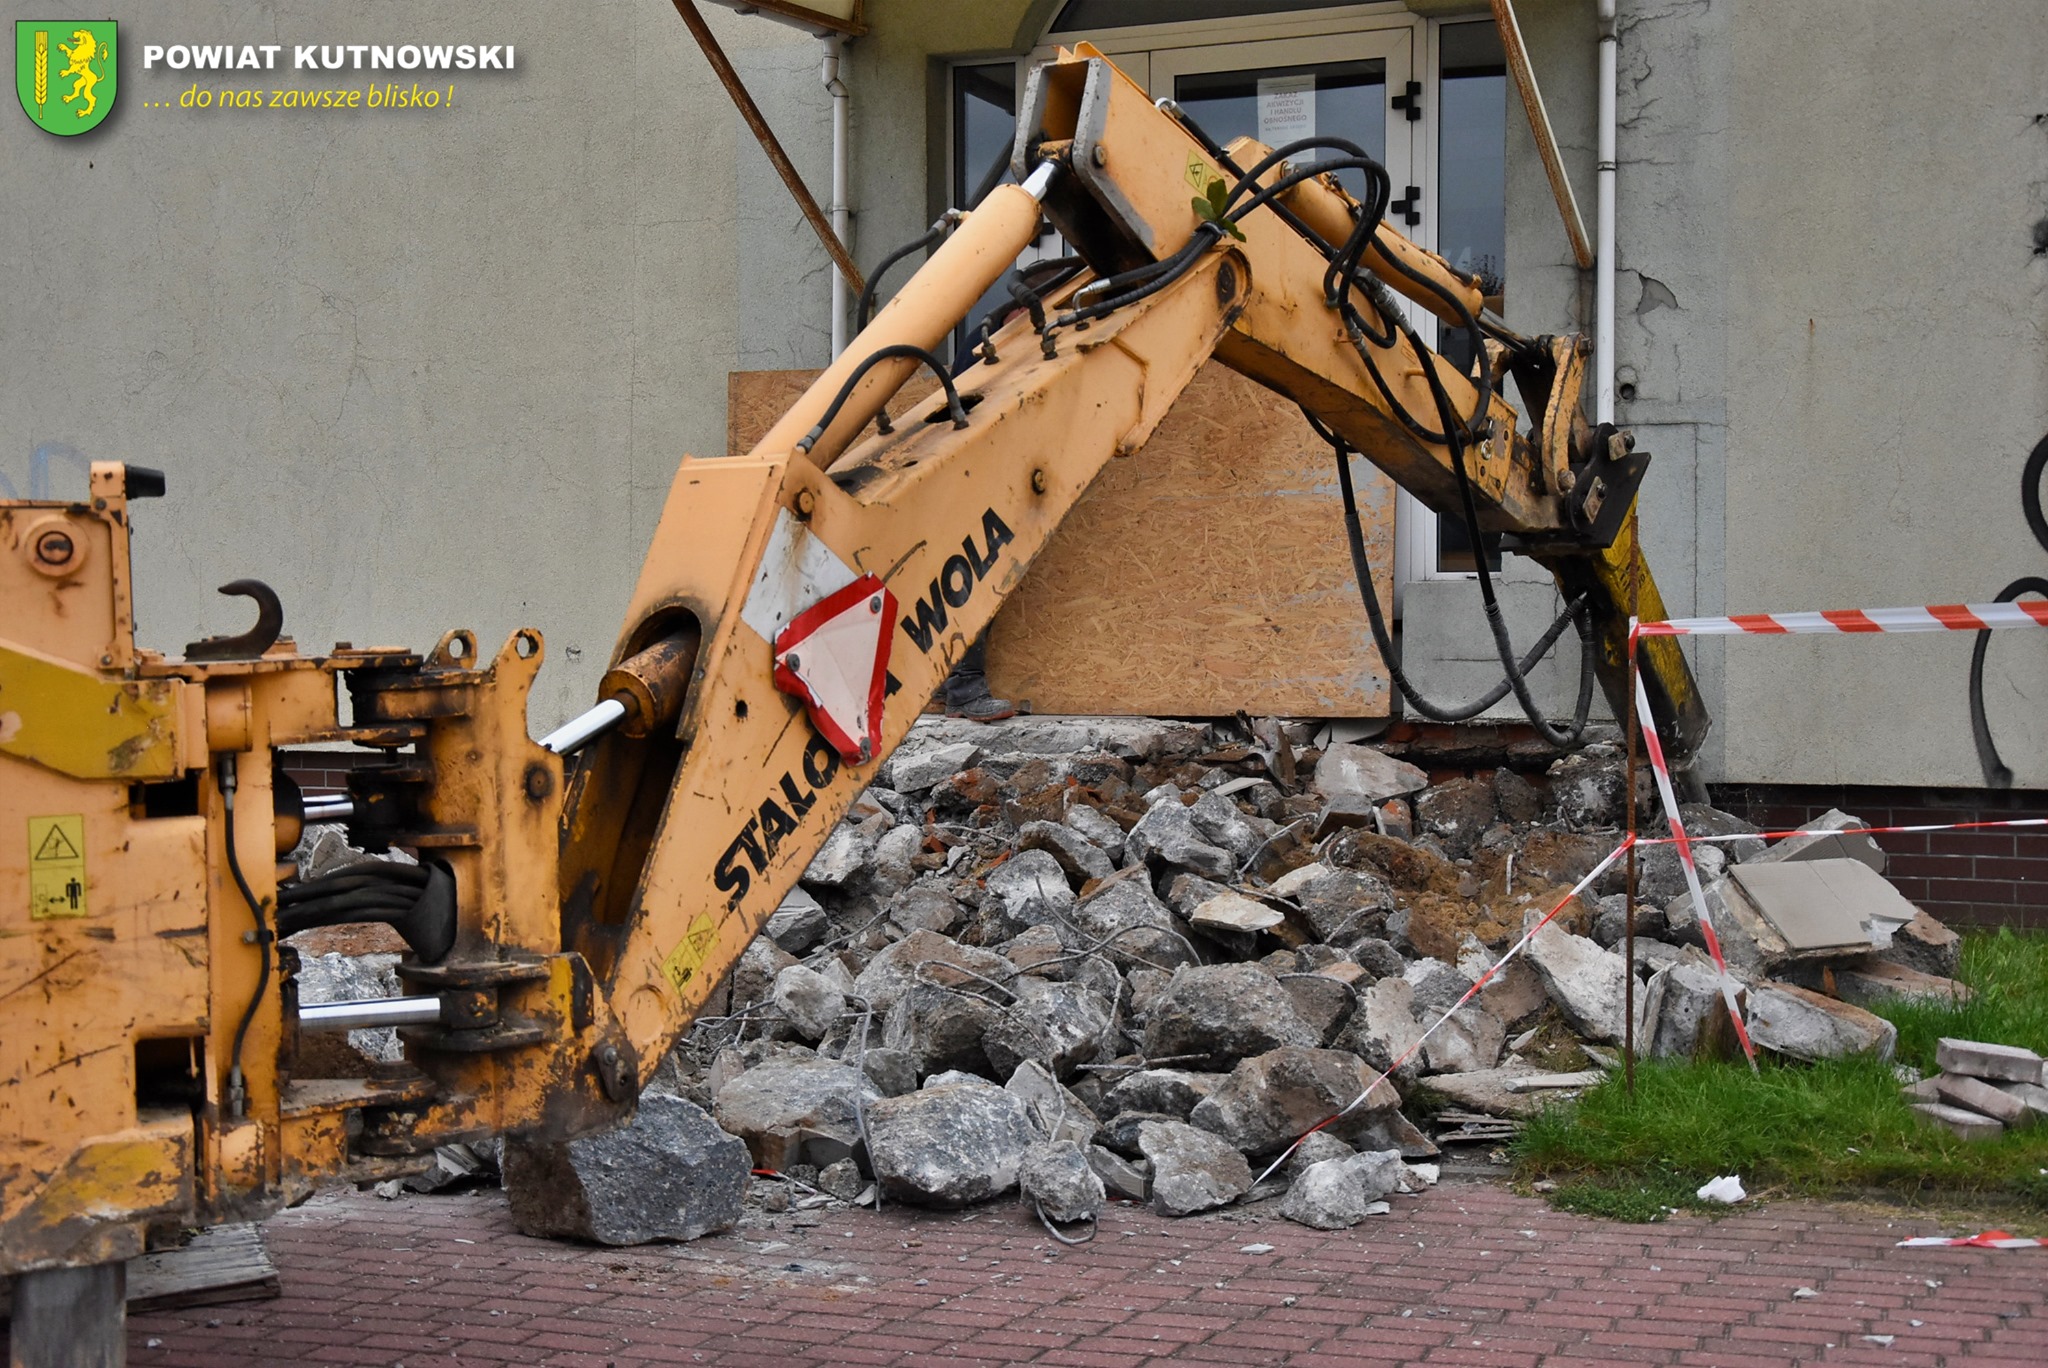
750, 114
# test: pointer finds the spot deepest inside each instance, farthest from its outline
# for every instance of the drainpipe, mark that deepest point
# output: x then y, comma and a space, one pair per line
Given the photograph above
828, 72
1603, 269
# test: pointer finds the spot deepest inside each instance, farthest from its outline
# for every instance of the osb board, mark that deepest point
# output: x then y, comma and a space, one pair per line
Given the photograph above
1203, 575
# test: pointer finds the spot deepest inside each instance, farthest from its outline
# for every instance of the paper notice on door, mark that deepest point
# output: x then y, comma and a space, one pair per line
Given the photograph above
1287, 109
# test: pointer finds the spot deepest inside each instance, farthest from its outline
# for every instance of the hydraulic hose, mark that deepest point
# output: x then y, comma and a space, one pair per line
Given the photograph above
237, 1094
1361, 567
899, 349
933, 236
1562, 738
1997, 774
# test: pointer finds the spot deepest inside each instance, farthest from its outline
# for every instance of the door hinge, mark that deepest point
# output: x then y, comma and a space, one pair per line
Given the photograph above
1410, 100
1409, 206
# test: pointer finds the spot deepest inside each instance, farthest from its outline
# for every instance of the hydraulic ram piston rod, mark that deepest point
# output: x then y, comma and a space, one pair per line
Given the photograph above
369, 1013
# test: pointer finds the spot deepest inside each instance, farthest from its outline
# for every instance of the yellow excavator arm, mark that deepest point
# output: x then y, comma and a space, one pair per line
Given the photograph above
574, 902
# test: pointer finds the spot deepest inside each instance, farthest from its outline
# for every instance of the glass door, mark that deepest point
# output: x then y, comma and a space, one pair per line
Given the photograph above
1339, 85
1286, 89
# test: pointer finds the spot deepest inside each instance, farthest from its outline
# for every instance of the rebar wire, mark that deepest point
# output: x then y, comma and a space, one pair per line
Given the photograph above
1094, 1224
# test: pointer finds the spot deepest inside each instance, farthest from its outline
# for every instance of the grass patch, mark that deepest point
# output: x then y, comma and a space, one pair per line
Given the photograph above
2009, 973
1834, 1129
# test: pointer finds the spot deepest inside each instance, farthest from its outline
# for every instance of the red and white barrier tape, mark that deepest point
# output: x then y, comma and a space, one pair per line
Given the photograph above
1989, 1239
1948, 617
1940, 617
1470, 993
1951, 617
1682, 840
1847, 831
1662, 769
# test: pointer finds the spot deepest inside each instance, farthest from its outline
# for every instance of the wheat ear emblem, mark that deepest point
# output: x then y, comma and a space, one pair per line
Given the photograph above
42, 72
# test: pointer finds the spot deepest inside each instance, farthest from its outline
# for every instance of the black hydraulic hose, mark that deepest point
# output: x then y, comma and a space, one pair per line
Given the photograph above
1503, 644
898, 349
352, 878
1997, 774
1159, 276
1346, 274
237, 1096
1151, 278
932, 238
1361, 567
389, 899
1327, 250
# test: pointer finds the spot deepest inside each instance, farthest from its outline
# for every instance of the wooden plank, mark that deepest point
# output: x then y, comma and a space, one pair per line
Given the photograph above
1205, 574
221, 1264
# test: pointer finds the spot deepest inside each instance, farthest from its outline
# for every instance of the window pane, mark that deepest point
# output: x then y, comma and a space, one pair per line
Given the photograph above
1472, 209
1472, 166
984, 128
1349, 101
1472, 155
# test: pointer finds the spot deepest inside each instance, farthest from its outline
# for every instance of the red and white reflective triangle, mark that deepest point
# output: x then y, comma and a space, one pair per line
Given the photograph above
834, 655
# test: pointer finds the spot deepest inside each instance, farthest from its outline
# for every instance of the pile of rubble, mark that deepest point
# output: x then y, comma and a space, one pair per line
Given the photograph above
1090, 956
1982, 1088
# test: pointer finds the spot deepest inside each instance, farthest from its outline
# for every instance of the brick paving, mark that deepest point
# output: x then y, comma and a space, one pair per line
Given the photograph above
1467, 1275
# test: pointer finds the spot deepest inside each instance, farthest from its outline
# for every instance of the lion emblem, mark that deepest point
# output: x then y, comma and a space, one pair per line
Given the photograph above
80, 53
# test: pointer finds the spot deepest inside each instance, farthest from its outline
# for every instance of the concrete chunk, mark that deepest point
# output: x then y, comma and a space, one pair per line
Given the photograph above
1981, 1060
1974, 1094
1268, 1101
1843, 844
916, 769
1682, 1011
1876, 980
1488, 1090
1079, 857
949, 1146
1586, 982
1192, 1170
1337, 1194
1925, 944
1966, 1125
1349, 770
1118, 1174
671, 1174
1805, 1025
799, 923
1056, 1175
1223, 1013
1166, 837
780, 1103
1229, 911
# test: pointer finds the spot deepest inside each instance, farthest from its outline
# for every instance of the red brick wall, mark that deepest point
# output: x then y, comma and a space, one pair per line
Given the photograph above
1993, 877
321, 773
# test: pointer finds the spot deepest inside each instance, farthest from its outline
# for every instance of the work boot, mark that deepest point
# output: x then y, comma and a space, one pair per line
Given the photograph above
986, 708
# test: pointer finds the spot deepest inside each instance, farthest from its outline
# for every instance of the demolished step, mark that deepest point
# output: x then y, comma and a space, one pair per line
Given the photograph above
1965, 1125
1974, 1094
1978, 1059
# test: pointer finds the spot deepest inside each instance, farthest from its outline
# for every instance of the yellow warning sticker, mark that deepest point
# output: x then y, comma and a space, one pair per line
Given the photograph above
687, 958
56, 867
1198, 172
